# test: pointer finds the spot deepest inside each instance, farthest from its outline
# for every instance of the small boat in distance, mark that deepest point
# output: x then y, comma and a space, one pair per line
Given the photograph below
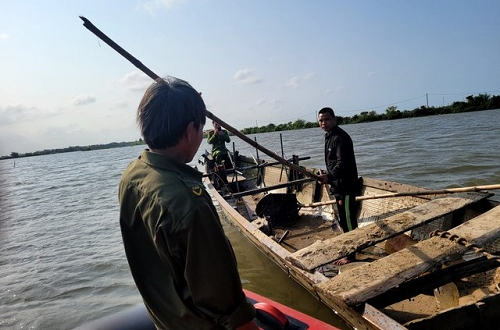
424, 259
271, 315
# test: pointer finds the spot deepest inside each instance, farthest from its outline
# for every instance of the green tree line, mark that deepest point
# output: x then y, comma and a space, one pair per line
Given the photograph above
472, 103
74, 148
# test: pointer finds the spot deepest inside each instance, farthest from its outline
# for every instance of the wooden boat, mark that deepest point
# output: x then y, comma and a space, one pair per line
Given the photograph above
424, 259
271, 315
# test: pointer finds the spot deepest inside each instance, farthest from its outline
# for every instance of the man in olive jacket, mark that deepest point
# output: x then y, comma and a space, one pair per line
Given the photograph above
218, 138
179, 256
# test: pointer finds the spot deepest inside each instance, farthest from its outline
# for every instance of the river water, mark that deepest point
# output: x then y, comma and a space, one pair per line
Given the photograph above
61, 258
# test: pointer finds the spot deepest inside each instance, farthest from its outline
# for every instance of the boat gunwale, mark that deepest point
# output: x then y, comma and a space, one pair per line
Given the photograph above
367, 318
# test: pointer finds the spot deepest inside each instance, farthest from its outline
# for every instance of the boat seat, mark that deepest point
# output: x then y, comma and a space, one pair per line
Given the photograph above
250, 207
326, 251
359, 284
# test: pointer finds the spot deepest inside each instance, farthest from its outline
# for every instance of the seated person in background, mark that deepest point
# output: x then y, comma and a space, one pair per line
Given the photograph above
218, 139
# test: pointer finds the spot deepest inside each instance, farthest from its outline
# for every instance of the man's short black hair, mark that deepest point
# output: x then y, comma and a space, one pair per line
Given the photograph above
166, 109
327, 110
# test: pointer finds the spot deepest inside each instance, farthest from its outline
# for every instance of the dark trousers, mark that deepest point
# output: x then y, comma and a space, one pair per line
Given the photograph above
348, 210
224, 158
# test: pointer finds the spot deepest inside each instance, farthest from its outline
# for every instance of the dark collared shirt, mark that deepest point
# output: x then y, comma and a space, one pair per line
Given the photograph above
341, 162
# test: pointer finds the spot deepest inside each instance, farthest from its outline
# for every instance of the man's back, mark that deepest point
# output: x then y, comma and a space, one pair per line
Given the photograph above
176, 248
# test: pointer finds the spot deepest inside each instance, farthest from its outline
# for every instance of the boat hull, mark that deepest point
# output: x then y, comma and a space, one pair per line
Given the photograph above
271, 315
403, 221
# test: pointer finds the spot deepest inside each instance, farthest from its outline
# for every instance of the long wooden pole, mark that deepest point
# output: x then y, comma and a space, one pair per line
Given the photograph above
412, 193
92, 28
431, 192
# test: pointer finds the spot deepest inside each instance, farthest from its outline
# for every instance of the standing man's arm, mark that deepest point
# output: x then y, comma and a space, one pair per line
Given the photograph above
211, 137
226, 137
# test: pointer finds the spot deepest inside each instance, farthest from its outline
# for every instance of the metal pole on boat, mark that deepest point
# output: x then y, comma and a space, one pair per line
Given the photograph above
256, 151
259, 169
282, 155
235, 173
92, 28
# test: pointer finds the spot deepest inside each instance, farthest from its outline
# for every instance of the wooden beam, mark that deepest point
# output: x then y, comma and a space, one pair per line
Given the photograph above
379, 319
360, 284
326, 251
482, 314
264, 189
250, 207
245, 168
433, 280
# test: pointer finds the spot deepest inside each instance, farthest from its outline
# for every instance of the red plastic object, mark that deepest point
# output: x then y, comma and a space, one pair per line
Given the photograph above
271, 311
292, 315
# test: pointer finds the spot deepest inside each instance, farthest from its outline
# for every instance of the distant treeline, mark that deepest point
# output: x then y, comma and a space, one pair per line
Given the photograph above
75, 148
473, 103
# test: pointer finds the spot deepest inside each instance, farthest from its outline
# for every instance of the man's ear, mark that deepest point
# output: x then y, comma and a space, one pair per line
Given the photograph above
190, 131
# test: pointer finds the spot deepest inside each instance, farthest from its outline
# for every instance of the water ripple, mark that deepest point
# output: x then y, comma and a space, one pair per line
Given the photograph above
61, 257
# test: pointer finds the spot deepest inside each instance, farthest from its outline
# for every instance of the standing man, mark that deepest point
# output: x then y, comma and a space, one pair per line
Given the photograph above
218, 138
179, 256
342, 172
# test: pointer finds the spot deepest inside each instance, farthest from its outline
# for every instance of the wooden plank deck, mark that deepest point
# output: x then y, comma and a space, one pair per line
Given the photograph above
326, 251
250, 207
362, 283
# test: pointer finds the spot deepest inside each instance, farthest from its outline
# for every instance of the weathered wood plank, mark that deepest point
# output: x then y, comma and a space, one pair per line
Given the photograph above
362, 283
269, 188
323, 252
433, 280
480, 315
381, 320
250, 207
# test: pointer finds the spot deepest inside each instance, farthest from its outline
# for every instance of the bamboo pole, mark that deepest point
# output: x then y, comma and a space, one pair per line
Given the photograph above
412, 193
431, 192
92, 28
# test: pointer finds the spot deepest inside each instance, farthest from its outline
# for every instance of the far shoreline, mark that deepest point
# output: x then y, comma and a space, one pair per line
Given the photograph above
482, 102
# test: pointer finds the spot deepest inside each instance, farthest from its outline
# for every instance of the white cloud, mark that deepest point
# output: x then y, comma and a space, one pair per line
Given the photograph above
20, 113
293, 82
336, 89
152, 6
274, 58
246, 76
260, 102
273, 103
3, 36
80, 100
309, 76
135, 81
371, 74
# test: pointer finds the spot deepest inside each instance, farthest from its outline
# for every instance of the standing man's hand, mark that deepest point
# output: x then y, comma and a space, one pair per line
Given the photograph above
323, 178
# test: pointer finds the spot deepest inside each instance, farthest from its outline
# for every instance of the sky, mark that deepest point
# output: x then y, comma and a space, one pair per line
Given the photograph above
256, 62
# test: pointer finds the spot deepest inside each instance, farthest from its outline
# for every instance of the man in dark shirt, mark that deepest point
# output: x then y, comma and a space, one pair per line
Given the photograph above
342, 172
179, 256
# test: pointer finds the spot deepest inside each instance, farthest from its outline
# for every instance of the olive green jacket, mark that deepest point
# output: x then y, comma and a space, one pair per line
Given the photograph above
218, 143
179, 256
